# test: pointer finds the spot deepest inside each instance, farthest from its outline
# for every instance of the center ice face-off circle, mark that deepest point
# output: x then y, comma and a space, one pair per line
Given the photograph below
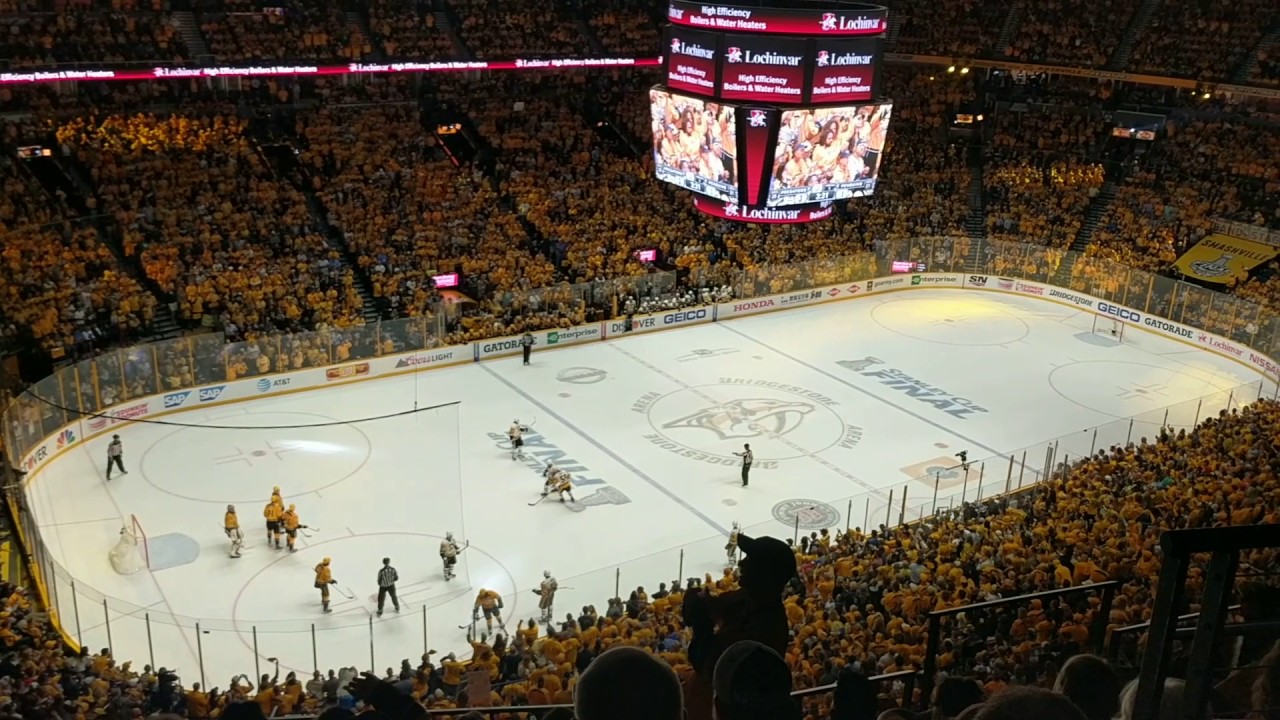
779, 421
234, 466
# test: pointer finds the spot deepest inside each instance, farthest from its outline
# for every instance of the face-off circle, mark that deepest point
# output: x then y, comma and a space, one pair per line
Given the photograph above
779, 421
806, 514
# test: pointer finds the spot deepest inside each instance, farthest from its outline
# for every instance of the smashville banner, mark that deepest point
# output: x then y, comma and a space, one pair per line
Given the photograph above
1222, 258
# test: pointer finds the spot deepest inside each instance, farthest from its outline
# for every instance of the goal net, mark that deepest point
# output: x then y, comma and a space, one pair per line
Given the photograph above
130, 553
1108, 326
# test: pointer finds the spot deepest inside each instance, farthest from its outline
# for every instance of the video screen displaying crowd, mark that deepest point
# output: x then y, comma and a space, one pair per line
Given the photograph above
187, 208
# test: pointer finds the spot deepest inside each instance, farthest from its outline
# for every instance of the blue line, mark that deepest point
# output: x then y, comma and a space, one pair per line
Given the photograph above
871, 395
617, 458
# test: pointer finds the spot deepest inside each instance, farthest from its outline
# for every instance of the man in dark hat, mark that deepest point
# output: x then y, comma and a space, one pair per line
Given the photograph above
752, 682
753, 612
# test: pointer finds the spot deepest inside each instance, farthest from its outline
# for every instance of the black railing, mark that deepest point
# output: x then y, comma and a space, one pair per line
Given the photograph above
1096, 633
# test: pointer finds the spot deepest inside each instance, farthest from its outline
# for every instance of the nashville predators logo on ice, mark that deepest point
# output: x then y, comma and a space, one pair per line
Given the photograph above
746, 419
709, 423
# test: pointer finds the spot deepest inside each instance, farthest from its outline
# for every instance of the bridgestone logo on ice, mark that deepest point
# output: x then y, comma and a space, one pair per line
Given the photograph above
681, 47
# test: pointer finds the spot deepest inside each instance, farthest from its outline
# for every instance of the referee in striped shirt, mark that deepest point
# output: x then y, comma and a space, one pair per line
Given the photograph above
387, 578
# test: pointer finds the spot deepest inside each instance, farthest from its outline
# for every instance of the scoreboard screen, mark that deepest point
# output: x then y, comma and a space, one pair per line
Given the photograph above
695, 144
829, 153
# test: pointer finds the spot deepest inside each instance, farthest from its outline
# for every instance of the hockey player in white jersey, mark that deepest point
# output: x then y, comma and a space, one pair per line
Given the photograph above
546, 593
558, 480
731, 547
449, 554
515, 435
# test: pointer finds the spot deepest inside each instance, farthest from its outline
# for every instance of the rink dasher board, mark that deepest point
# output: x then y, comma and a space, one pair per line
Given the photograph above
249, 389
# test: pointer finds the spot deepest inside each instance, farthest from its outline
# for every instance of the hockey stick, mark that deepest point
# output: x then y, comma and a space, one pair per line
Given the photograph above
535, 502
345, 593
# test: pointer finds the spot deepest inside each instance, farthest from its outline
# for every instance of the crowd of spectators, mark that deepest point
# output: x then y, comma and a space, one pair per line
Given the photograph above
536, 29
212, 225
240, 30
1203, 41
88, 33
1202, 170
61, 287
1094, 32
857, 609
626, 27
963, 28
1038, 177
408, 30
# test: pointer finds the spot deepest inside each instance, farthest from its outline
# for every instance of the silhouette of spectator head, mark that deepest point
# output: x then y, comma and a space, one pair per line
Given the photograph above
752, 682
627, 683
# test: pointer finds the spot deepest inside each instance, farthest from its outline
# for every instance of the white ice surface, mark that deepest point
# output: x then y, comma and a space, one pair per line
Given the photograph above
651, 418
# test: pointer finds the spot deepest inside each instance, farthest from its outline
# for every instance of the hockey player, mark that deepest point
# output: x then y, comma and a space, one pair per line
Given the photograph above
731, 547
514, 434
276, 497
272, 513
449, 554
563, 484
324, 578
546, 593
289, 521
549, 471
490, 603
232, 525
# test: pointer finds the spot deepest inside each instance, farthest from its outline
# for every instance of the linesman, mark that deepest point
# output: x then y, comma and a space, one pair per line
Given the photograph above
387, 577
747, 457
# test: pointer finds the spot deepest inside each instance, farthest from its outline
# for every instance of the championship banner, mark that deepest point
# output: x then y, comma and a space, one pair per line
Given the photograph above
1221, 258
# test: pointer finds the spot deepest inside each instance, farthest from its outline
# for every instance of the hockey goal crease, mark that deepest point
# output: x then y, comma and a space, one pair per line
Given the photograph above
131, 553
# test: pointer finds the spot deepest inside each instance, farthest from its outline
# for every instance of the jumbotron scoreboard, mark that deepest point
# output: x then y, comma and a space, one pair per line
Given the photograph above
771, 114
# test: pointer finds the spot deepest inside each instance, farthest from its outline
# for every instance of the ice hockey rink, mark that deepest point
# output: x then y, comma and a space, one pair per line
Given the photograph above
843, 405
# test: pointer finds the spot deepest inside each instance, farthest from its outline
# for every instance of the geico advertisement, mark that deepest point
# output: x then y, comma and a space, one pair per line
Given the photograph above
648, 323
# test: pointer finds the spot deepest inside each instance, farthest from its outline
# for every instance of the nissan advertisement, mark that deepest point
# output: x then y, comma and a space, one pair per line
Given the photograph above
764, 69
691, 61
844, 70
838, 19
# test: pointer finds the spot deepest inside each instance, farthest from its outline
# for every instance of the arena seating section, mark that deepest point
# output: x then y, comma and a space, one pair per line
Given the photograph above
179, 202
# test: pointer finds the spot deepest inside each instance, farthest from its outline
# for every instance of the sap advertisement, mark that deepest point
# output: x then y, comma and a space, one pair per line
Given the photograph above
764, 69
695, 144
830, 153
844, 70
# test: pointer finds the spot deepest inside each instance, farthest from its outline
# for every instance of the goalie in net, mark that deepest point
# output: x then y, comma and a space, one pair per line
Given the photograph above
130, 553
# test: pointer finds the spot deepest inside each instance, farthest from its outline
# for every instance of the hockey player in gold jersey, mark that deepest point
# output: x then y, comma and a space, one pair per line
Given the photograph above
490, 603
231, 524
289, 520
324, 578
272, 513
